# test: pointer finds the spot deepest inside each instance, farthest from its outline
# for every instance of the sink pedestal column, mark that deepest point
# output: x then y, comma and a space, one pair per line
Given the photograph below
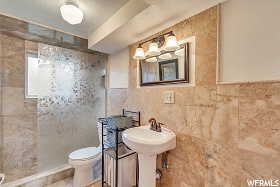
147, 170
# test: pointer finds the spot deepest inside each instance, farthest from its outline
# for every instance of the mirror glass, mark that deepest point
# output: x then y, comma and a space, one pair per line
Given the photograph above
167, 68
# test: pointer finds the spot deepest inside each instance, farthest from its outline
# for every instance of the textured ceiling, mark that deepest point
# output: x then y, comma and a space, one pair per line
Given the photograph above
46, 12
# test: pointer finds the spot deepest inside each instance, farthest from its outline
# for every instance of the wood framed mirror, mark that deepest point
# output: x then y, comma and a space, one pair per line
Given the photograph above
170, 67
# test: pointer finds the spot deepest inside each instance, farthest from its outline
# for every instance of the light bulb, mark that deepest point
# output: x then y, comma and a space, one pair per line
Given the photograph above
153, 59
171, 43
71, 13
139, 53
153, 49
166, 56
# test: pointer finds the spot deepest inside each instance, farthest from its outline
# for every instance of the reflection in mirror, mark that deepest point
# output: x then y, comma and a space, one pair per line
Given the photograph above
167, 68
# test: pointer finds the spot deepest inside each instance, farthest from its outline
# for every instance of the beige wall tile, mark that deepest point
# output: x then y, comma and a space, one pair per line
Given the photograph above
14, 102
13, 71
115, 106
259, 114
258, 166
187, 163
31, 46
20, 146
18, 115
12, 46
223, 163
13, 57
225, 126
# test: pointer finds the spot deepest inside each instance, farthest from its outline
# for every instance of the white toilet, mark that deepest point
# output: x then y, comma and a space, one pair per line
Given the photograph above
83, 161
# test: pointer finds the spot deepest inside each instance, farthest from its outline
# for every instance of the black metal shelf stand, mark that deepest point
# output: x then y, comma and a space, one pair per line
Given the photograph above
114, 151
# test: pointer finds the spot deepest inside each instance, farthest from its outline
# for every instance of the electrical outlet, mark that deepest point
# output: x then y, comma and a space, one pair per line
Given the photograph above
169, 97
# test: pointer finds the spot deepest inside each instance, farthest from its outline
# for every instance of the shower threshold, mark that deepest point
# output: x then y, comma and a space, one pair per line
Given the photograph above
45, 177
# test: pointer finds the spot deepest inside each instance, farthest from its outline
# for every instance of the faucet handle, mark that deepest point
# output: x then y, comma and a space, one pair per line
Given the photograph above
161, 124
152, 120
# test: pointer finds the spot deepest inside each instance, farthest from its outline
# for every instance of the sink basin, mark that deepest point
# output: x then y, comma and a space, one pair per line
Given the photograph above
148, 144
143, 140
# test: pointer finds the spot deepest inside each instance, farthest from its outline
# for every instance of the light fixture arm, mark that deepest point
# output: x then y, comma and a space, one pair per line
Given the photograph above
155, 45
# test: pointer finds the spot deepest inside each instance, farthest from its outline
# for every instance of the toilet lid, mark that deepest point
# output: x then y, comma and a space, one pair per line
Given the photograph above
85, 153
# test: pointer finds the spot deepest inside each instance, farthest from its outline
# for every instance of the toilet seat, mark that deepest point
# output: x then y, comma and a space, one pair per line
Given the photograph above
85, 154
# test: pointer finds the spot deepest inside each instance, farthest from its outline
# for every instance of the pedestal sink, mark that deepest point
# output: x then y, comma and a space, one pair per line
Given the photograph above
148, 144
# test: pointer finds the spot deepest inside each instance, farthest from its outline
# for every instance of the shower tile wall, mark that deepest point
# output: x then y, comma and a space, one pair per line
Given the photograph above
23, 149
18, 115
225, 133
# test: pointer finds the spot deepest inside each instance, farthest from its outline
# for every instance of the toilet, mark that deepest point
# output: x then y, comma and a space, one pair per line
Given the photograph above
83, 160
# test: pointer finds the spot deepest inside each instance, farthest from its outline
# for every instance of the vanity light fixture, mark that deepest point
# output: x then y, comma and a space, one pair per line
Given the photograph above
139, 53
153, 49
170, 44
71, 13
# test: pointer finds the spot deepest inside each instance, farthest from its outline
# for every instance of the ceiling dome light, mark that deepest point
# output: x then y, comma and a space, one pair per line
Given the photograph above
171, 43
153, 49
139, 53
71, 13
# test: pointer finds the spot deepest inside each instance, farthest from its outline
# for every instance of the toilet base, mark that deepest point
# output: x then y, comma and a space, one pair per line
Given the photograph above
82, 176
85, 161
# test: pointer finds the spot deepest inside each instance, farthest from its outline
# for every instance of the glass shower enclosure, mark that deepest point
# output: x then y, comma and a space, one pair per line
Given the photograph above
37, 134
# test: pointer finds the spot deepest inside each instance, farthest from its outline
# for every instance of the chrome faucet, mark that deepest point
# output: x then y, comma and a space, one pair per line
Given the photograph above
154, 126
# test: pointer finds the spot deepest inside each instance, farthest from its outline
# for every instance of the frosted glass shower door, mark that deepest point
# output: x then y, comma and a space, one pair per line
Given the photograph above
71, 98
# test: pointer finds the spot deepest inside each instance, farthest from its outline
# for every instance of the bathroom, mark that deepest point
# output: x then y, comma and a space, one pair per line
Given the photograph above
59, 77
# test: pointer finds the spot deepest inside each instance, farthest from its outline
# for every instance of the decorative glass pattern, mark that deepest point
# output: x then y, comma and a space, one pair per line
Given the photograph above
71, 98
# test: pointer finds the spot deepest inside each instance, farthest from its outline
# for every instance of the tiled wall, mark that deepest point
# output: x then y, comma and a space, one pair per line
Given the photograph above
115, 101
226, 134
18, 115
